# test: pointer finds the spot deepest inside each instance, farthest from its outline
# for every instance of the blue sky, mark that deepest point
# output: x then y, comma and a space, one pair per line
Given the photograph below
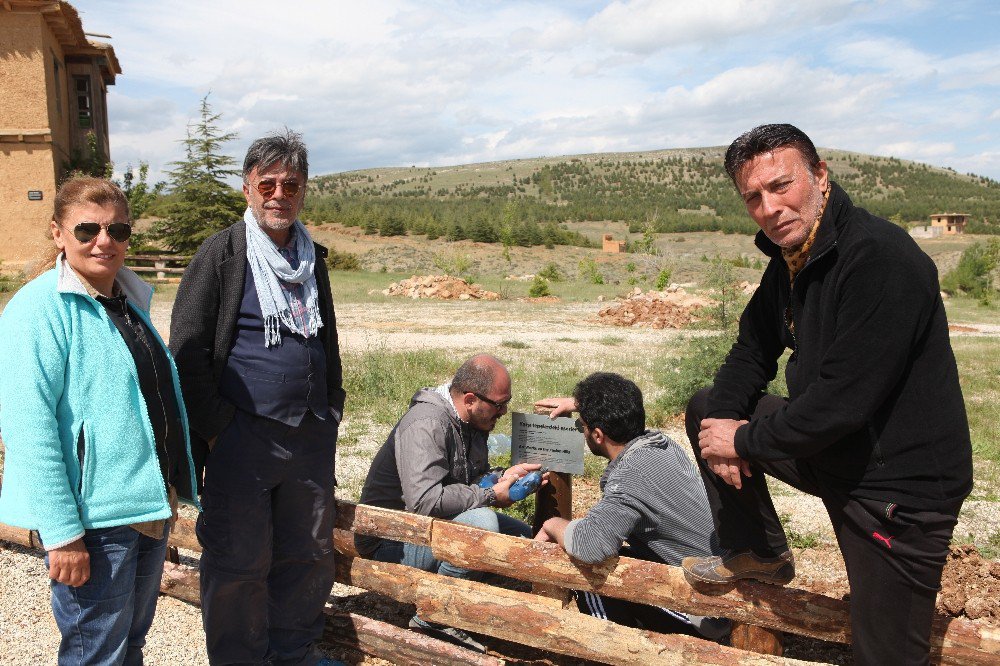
433, 82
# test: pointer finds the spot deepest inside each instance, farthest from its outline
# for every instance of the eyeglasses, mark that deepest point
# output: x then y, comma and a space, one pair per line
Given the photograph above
580, 425
500, 406
268, 187
88, 231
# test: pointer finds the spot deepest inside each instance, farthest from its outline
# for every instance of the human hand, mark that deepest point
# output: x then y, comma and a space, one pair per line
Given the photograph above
543, 536
729, 469
70, 564
718, 438
502, 490
517, 471
556, 406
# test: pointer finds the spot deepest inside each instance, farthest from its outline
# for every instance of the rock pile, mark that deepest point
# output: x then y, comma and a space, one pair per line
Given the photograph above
672, 308
445, 287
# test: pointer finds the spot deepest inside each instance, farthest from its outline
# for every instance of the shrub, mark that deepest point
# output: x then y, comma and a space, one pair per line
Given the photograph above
973, 274
343, 261
699, 360
551, 272
663, 279
539, 287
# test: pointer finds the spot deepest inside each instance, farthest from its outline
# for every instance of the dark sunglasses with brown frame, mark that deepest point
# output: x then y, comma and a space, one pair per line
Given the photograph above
267, 188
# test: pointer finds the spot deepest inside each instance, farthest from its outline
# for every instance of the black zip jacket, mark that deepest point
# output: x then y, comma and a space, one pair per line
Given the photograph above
875, 407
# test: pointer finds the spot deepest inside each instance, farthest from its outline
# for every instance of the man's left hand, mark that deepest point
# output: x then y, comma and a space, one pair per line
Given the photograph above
717, 441
718, 438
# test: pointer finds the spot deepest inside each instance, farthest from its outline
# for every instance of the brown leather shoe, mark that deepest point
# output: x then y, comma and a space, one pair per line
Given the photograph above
740, 565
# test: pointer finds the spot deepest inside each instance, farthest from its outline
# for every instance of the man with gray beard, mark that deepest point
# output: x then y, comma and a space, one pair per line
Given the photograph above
254, 334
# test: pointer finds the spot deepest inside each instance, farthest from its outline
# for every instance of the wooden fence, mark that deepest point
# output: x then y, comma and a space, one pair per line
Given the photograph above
160, 264
542, 619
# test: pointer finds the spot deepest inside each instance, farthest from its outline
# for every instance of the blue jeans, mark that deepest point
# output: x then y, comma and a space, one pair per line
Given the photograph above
105, 620
421, 557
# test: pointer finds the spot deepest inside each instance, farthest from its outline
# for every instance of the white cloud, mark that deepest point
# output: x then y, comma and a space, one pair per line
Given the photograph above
390, 82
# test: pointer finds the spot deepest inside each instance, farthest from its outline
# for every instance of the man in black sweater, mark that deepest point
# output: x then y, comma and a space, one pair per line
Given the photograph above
874, 424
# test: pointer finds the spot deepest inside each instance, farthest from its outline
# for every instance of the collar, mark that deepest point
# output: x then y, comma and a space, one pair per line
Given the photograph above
650, 438
136, 291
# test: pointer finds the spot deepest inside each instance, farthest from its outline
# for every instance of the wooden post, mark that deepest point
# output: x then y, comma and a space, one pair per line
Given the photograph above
553, 499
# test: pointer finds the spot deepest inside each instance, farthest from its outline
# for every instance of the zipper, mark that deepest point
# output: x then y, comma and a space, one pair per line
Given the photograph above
876, 447
789, 309
141, 335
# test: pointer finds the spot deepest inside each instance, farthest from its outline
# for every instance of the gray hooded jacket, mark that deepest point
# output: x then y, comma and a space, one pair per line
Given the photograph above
429, 464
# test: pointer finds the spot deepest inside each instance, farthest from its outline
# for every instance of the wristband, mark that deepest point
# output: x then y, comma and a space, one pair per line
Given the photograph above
491, 497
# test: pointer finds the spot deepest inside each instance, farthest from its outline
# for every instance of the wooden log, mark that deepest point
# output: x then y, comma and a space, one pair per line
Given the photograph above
181, 582
19, 536
398, 646
182, 535
388, 524
645, 582
515, 616
343, 542
954, 641
395, 581
756, 639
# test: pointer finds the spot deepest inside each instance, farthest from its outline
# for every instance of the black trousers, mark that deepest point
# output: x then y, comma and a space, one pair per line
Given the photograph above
267, 536
894, 555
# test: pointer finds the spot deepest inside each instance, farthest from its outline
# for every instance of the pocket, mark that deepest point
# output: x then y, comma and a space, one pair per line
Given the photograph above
876, 447
264, 376
86, 460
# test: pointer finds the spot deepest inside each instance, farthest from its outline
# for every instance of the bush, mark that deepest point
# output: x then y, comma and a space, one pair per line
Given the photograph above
539, 287
551, 272
343, 261
973, 274
699, 361
663, 279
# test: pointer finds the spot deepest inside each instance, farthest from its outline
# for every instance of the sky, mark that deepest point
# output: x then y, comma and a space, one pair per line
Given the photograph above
435, 82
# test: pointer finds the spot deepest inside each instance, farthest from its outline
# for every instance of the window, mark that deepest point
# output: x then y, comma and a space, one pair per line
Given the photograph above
84, 101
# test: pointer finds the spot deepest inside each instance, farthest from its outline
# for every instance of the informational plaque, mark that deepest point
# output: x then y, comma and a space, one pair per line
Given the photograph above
552, 443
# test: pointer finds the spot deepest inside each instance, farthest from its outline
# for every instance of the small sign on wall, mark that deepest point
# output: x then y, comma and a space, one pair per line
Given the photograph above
34, 195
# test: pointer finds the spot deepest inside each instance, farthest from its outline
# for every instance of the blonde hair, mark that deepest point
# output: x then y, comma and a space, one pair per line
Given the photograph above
72, 193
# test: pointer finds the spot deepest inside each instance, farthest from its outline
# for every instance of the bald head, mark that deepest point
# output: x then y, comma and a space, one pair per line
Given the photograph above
479, 375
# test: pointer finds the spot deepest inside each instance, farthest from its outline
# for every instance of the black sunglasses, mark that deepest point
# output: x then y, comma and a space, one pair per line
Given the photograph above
580, 425
268, 187
499, 405
88, 231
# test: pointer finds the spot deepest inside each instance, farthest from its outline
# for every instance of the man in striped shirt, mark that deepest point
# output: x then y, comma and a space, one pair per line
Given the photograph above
653, 499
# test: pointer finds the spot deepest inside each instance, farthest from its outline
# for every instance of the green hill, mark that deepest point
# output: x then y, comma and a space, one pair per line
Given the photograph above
527, 202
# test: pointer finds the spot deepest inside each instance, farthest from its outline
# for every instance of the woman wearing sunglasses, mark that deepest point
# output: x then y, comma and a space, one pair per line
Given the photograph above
95, 431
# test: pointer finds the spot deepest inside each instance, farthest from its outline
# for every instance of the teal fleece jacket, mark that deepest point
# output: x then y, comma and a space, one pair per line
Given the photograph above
79, 444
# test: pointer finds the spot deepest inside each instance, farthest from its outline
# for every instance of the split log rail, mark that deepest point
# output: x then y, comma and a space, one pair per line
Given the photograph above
161, 264
544, 622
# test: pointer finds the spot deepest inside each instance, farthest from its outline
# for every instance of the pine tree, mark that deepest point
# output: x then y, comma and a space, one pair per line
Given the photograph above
204, 203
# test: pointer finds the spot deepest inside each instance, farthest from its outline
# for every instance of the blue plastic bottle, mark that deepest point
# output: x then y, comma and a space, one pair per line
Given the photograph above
490, 478
526, 485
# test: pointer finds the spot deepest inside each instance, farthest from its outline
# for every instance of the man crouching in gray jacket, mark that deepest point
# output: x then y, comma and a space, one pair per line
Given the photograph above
431, 465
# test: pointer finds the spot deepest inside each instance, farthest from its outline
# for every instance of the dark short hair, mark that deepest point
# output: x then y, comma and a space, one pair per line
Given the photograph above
612, 403
766, 139
476, 375
285, 148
